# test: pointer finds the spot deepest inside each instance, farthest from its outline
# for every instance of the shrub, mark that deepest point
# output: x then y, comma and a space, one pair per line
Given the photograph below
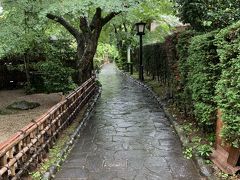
57, 78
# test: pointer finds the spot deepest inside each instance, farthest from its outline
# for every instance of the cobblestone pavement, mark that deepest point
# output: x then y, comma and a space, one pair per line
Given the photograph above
128, 137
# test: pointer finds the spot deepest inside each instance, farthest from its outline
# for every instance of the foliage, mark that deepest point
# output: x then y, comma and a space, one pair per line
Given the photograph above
25, 24
105, 53
188, 152
208, 14
98, 83
57, 78
148, 11
187, 128
203, 73
192, 11
204, 150
61, 49
183, 97
155, 62
228, 87
222, 13
197, 147
20, 26
24, 40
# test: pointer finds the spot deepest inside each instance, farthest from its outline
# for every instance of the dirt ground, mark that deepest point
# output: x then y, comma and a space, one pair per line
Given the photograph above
11, 122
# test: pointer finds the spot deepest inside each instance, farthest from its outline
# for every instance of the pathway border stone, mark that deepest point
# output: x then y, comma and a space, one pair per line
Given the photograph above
73, 138
205, 170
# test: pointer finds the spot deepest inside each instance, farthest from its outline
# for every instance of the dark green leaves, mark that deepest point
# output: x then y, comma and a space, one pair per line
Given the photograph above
208, 14
228, 87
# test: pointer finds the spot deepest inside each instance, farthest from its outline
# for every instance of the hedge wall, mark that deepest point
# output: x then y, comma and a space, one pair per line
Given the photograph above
228, 87
203, 73
184, 99
160, 63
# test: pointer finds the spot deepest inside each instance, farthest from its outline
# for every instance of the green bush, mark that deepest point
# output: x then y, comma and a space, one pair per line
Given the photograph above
203, 73
57, 78
228, 87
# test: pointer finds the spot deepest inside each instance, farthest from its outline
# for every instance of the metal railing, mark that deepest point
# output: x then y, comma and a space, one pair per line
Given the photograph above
30, 145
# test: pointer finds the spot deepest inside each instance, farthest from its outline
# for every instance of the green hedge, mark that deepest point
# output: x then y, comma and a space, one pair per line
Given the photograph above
206, 69
209, 66
183, 97
154, 61
228, 87
203, 73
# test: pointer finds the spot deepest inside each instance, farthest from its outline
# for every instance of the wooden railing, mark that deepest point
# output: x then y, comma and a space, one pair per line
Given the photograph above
30, 145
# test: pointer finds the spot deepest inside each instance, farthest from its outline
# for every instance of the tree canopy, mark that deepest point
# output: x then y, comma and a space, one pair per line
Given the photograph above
208, 14
27, 26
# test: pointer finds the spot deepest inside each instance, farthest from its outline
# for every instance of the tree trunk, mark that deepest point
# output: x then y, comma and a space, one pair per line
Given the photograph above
80, 52
87, 39
26, 65
86, 67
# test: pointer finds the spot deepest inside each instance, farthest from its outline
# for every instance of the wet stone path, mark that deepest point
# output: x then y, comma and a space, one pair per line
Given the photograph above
127, 138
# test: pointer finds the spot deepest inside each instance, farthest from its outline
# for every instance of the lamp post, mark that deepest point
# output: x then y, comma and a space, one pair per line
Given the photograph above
140, 31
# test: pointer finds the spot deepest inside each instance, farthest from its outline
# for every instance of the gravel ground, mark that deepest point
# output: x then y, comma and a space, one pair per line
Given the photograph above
11, 123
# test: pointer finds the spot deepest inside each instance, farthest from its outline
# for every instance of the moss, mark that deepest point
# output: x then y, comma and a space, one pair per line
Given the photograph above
23, 105
6, 111
3, 112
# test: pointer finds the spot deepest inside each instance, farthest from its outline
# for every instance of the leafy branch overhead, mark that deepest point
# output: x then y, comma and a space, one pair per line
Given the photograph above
27, 27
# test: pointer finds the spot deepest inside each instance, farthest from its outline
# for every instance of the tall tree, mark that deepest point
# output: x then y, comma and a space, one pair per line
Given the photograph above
123, 26
83, 19
90, 17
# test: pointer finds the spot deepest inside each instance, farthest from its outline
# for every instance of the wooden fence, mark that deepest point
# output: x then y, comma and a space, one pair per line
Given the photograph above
29, 146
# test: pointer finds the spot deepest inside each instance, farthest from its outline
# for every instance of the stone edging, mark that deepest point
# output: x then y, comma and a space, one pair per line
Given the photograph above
70, 144
205, 170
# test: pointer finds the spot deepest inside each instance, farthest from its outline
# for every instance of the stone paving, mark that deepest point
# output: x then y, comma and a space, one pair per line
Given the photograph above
127, 138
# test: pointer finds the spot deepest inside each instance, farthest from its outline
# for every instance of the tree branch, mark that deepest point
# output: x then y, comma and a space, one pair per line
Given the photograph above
107, 18
125, 27
65, 24
84, 25
96, 17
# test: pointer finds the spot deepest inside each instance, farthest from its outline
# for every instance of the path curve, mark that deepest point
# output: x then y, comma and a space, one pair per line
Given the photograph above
128, 138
